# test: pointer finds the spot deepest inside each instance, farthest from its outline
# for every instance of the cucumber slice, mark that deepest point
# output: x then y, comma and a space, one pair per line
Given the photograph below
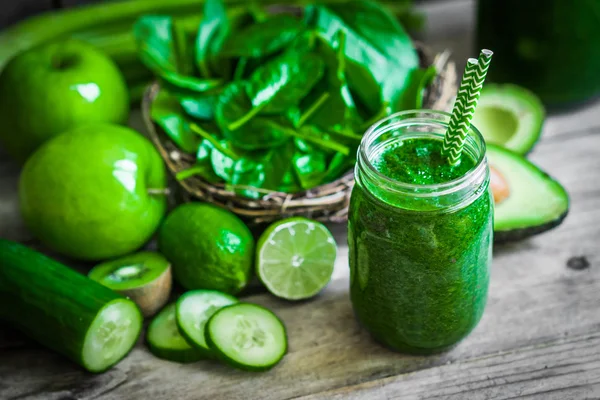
111, 335
509, 116
143, 277
247, 336
165, 341
193, 311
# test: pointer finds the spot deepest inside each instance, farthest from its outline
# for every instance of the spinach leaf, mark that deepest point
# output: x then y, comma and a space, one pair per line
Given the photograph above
317, 139
203, 170
263, 38
215, 141
310, 168
240, 123
201, 107
262, 170
164, 49
204, 150
379, 52
222, 164
330, 107
412, 98
338, 165
212, 32
167, 113
284, 81
289, 182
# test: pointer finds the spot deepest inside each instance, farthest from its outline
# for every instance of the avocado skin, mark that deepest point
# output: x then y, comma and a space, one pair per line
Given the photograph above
514, 235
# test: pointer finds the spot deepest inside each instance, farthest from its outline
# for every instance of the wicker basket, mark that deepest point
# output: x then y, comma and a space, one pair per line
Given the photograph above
328, 202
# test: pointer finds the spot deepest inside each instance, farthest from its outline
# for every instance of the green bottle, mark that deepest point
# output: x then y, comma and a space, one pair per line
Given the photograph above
550, 47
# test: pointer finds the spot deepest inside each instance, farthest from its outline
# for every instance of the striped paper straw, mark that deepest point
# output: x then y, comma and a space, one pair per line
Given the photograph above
464, 106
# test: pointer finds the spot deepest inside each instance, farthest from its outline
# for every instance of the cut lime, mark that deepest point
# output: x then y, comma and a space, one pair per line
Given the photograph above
194, 308
295, 258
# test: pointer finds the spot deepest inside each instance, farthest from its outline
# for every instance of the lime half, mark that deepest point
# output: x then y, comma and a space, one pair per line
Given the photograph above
295, 258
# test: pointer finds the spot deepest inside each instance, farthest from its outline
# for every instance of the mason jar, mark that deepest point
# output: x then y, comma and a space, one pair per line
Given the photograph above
419, 254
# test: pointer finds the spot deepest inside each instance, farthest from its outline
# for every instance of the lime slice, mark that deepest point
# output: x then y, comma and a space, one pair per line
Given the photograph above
295, 258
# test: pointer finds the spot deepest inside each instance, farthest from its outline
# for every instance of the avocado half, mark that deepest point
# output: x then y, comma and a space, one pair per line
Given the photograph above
144, 277
528, 202
509, 116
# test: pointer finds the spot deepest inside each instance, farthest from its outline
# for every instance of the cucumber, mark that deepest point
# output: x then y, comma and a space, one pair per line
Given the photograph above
165, 341
64, 310
247, 336
194, 308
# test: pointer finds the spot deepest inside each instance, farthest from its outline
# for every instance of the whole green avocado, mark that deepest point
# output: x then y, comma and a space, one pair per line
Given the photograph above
94, 192
54, 87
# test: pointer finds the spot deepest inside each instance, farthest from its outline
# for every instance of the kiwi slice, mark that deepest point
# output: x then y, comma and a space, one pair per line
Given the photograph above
144, 277
509, 116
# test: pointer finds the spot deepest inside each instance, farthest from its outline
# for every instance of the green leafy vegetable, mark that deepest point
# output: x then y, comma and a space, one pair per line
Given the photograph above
212, 32
310, 168
241, 124
263, 38
203, 170
200, 107
263, 170
167, 113
164, 48
274, 103
204, 150
222, 163
338, 111
284, 81
379, 51
214, 141
413, 95
337, 166
289, 183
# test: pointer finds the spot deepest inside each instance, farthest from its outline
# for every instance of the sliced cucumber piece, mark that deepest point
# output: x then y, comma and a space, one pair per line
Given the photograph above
247, 336
193, 311
534, 201
144, 277
509, 116
111, 335
165, 341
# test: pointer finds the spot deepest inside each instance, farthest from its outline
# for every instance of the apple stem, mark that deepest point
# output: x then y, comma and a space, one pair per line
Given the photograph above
158, 192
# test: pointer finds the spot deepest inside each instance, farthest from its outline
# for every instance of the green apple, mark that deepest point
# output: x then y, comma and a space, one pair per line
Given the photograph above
94, 192
49, 89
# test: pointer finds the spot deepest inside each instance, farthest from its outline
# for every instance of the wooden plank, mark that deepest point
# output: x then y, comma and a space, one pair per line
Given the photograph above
14, 11
546, 371
535, 302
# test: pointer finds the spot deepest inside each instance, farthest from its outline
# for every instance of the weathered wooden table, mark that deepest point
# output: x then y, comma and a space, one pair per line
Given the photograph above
539, 337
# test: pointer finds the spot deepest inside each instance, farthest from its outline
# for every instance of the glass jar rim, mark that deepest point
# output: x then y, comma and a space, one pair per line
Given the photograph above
429, 190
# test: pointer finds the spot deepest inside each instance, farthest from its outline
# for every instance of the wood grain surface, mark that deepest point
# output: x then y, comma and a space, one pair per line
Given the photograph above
539, 337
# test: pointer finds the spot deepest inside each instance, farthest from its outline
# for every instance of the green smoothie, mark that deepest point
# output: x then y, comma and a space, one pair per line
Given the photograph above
419, 264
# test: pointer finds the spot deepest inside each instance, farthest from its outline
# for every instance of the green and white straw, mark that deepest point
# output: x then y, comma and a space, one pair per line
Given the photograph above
464, 106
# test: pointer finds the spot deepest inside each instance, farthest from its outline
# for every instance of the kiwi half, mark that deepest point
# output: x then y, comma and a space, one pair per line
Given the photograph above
144, 277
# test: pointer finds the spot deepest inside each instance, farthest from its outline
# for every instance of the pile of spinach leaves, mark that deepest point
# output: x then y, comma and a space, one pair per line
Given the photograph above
276, 101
